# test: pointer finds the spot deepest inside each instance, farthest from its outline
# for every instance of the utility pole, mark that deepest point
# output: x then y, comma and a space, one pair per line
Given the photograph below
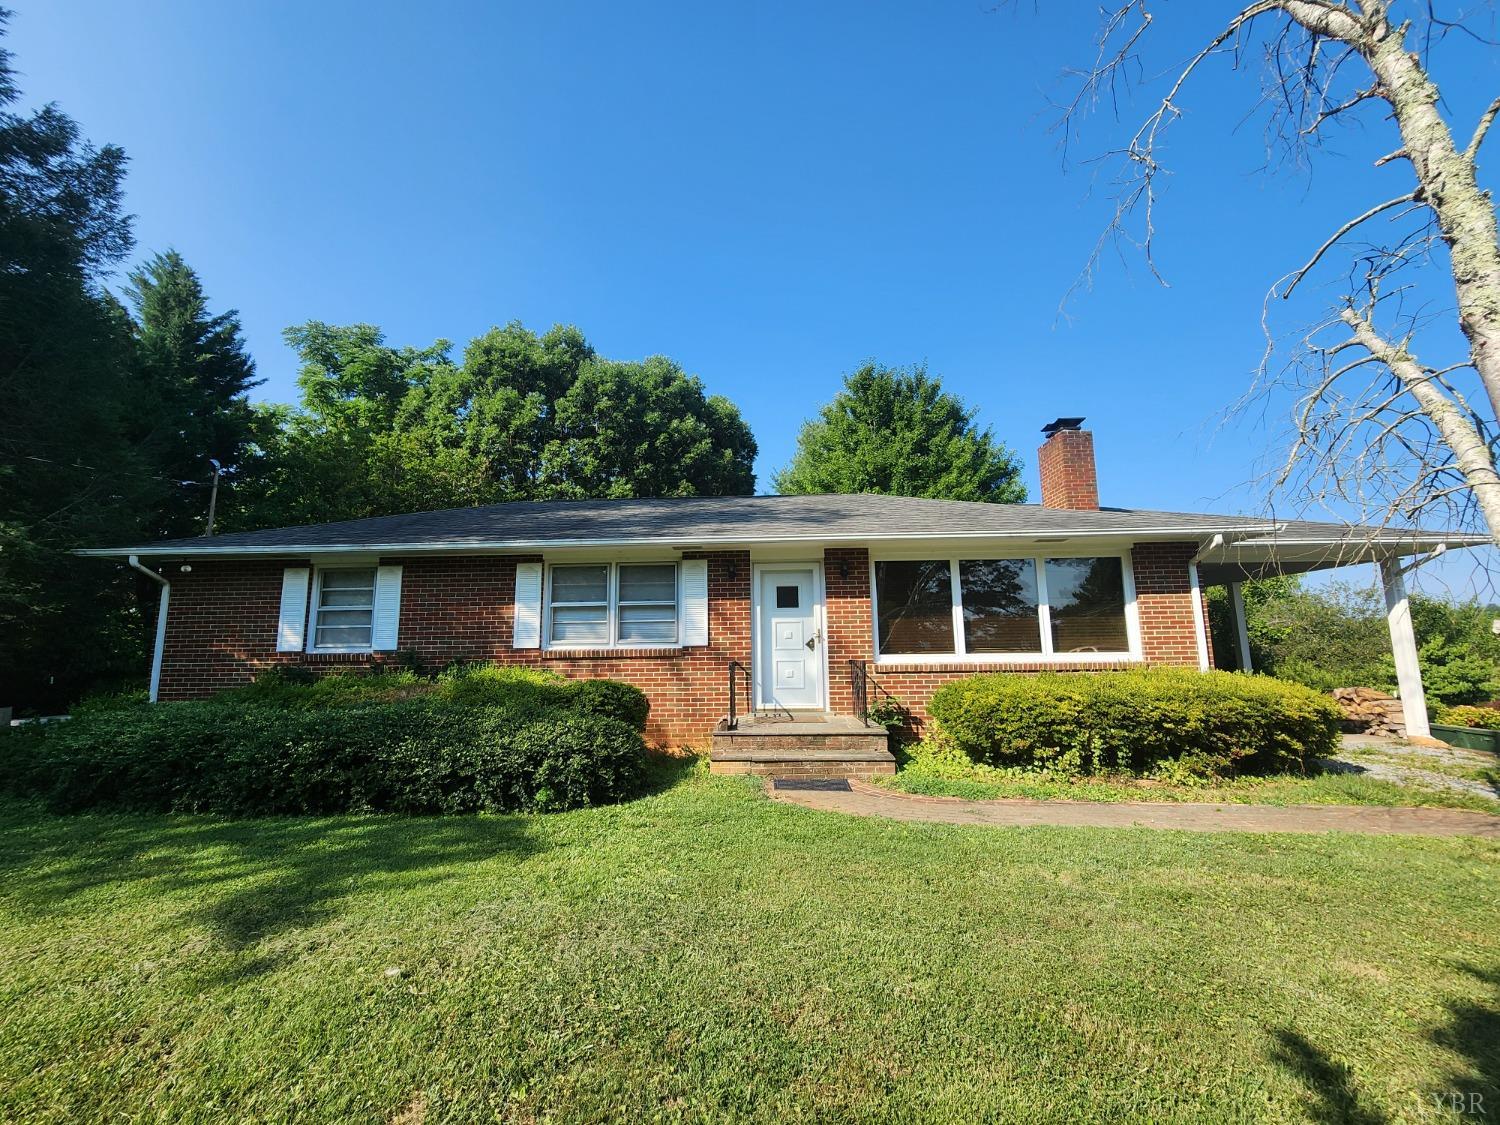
213, 497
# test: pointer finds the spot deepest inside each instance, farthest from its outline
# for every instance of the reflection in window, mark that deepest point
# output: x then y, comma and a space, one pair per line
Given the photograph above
915, 600
1087, 599
999, 598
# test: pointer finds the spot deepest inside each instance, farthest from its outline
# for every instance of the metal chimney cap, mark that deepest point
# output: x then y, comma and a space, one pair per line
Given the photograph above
1062, 424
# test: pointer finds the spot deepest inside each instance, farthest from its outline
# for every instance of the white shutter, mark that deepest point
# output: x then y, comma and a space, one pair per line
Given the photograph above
527, 631
387, 616
694, 615
291, 630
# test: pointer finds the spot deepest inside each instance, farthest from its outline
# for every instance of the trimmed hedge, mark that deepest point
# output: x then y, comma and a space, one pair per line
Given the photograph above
1157, 721
1483, 718
533, 692
418, 756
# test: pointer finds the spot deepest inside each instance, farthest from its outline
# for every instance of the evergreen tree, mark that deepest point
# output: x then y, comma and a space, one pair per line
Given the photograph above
69, 395
196, 366
897, 432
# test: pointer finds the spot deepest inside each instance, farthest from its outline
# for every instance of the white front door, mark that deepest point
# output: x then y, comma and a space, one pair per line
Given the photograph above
789, 638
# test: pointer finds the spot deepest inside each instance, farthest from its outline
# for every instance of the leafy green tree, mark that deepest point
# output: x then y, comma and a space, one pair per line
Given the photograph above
1336, 636
645, 429
195, 364
69, 474
898, 432
339, 456
524, 416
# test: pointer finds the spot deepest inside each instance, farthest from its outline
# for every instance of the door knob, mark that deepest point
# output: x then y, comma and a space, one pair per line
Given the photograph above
812, 642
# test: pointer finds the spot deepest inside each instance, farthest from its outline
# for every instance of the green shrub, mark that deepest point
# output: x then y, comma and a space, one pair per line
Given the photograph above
522, 692
417, 756
1157, 721
293, 686
1487, 718
111, 701
530, 691
609, 697
540, 691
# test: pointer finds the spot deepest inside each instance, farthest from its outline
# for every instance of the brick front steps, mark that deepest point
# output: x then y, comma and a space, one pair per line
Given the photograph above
812, 746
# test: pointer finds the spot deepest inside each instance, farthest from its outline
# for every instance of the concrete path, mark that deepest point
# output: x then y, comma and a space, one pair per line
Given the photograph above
862, 799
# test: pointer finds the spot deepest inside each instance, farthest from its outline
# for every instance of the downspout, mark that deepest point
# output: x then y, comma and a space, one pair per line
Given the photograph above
161, 622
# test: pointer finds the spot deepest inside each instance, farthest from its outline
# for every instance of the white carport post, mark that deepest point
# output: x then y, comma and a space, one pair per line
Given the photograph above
1404, 649
1241, 628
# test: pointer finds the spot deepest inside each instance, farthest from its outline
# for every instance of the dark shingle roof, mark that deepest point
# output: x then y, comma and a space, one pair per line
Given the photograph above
693, 521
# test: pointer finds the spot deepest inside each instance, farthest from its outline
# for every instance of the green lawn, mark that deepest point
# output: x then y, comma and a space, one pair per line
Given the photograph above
1315, 789
706, 953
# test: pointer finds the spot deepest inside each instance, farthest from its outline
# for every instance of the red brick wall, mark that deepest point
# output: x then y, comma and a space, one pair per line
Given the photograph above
222, 629
846, 582
1069, 476
1163, 596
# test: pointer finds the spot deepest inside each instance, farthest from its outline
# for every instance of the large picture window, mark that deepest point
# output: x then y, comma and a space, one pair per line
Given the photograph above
344, 609
916, 606
1038, 607
1086, 605
599, 605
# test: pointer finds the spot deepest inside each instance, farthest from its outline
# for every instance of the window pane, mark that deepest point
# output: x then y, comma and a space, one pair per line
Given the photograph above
348, 597
648, 583
580, 583
649, 624
344, 617
786, 597
916, 607
1087, 597
580, 624
363, 579
1000, 605
350, 636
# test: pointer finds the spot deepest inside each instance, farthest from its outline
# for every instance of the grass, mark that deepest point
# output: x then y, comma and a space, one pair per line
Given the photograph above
704, 953
1314, 789
933, 769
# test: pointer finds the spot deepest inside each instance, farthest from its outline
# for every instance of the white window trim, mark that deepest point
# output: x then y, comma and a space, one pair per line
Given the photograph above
1044, 655
611, 608
315, 608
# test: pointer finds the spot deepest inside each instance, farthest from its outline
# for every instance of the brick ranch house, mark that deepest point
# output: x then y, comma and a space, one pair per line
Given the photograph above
807, 605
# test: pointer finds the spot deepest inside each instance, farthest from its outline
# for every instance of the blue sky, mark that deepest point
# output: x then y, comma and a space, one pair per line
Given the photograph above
769, 194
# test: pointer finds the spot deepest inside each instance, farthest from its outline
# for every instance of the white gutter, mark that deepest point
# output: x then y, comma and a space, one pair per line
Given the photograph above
672, 541
161, 623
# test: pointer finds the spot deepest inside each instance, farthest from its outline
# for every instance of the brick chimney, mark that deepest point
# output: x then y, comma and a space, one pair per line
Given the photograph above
1066, 459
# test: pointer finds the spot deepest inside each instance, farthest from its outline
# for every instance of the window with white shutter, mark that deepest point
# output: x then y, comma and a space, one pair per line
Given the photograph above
616, 605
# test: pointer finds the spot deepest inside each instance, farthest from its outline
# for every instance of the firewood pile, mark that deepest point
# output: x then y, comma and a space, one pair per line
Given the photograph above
1367, 711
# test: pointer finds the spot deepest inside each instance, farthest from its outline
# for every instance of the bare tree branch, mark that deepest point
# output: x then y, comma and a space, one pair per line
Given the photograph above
1411, 437
1343, 230
1481, 131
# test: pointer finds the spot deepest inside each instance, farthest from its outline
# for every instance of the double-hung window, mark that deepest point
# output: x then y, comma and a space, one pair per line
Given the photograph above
602, 605
344, 609
1009, 608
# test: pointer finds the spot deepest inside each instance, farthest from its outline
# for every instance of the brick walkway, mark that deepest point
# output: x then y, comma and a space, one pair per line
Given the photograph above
861, 799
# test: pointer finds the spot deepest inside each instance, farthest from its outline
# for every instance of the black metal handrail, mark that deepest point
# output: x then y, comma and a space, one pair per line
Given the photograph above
735, 665
861, 681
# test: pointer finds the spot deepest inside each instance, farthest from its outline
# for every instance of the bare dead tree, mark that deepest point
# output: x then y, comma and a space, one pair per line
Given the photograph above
1374, 426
